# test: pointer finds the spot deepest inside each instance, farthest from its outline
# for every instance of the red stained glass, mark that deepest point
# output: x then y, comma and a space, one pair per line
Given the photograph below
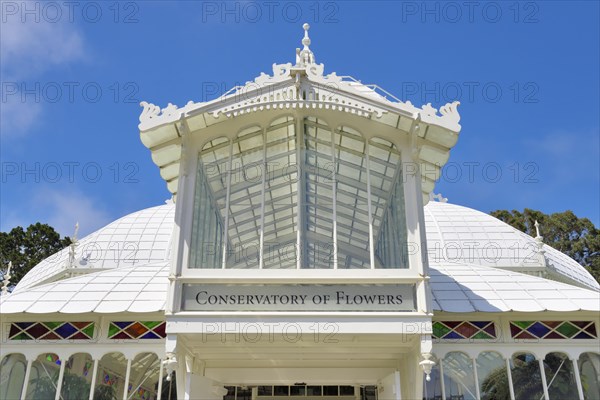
491, 330
552, 324
514, 330
160, 330
79, 335
524, 335
80, 325
452, 324
136, 330
121, 335
37, 331
466, 329
591, 330
554, 335
52, 336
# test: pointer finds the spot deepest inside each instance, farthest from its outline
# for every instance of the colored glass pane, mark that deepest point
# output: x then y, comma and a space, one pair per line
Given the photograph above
52, 324
136, 330
150, 324
22, 336
453, 335
466, 329
52, 336
37, 330
14, 329
490, 329
522, 324
554, 335
524, 335
482, 335
24, 325
538, 329
567, 329
591, 329
480, 324
89, 330
439, 330
112, 329
452, 324
583, 335
150, 335
160, 330
65, 330
122, 324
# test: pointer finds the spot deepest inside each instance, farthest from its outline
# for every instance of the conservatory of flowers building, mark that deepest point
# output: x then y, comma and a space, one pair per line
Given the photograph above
303, 256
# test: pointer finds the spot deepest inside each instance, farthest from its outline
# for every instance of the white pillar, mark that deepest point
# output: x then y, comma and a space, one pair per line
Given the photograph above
442, 379
160, 379
397, 386
93, 382
510, 382
577, 378
61, 374
544, 383
474, 361
26, 379
127, 373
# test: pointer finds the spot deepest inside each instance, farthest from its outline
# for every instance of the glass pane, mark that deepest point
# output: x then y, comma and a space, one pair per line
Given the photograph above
330, 391
298, 390
351, 200
526, 377
432, 389
44, 377
211, 189
589, 370
459, 376
387, 202
316, 194
265, 391
493, 376
313, 390
77, 377
559, 377
143, 379
110, 379
12, 376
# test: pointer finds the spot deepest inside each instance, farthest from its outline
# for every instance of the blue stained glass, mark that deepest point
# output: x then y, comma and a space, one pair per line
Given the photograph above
538, 329
150, 335
583, 335
23, 325
122, 324
66, 330
480, 324
453, 335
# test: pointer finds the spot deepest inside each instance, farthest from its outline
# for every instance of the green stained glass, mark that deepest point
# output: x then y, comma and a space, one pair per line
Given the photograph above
439, 330
567, 329
52, 325
112, 329
522, 324
481, 335
150, 324
21, 336
89, 330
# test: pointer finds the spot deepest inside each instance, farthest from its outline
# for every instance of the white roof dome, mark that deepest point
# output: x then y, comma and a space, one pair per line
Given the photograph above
456, 235
142, 237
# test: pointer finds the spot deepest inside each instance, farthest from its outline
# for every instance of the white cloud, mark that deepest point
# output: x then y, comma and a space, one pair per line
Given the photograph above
61, 209
30, 49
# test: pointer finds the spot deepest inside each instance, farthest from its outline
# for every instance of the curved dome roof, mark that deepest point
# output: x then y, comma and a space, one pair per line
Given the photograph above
139, 238
461, 235
456, 235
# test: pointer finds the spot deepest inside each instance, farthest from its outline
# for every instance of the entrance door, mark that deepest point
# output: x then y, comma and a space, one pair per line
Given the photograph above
301, 392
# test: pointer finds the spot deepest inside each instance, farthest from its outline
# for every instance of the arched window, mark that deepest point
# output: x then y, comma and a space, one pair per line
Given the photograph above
43, 378
12, 376
459, 378
492, 376
526, 377
589, 370
560, 377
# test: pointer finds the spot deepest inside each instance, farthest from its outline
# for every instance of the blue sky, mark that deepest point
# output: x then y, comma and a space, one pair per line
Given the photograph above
526, 73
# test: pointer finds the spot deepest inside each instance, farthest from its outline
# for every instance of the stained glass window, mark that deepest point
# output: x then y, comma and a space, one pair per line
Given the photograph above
553, 330
136, 330
464, 330
51, 330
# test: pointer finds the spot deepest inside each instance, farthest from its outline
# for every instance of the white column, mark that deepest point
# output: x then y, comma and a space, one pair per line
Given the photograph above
474, 361
26, 379
442, 379
93, 382
61, 374
370, 208
577, 378
127, 373
397, 387
160, 380
510, 381
544, 383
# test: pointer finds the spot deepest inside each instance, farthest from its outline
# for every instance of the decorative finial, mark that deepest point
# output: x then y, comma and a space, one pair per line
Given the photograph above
73, 246
305, 56
6, 280
537, 230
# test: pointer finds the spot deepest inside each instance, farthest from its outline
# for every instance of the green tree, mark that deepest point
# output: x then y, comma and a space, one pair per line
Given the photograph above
27, 247
576, 237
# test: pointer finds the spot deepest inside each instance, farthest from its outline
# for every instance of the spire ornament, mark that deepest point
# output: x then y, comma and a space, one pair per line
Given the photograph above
6, 280
305, 56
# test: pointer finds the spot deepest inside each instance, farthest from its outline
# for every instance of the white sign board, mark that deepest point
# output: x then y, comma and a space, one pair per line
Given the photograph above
222, 297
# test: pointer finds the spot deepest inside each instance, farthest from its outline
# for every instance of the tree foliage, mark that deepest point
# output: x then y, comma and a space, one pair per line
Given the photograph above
27, 247
576, 237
